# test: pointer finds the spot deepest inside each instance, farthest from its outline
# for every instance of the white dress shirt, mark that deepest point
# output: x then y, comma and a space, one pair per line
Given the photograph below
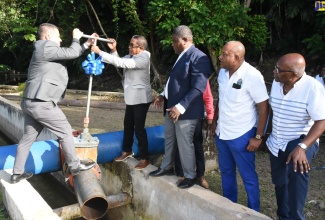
320, 79
179, 107
237, 106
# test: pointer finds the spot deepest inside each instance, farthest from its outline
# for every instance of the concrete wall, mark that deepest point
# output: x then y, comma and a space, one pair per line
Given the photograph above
22, 201
160, 198
152, 197
12, 122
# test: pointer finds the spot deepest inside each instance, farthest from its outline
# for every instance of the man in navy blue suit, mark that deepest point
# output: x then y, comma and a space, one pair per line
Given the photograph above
183, 104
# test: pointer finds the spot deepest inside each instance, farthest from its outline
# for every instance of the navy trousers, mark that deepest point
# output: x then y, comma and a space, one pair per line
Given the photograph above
290, 187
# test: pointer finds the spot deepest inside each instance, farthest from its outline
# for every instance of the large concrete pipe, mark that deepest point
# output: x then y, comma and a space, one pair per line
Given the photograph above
44, 156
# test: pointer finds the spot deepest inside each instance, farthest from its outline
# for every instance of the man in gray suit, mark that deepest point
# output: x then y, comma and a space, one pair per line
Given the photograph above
46, 83
137, 94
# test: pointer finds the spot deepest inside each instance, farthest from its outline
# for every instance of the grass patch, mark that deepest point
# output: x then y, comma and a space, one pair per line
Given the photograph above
3, 212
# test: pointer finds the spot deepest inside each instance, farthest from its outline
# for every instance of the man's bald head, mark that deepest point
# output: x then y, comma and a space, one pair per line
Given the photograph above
293, 61
237, 48
232, 56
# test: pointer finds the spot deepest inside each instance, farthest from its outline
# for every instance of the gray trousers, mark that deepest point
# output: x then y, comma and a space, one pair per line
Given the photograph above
37, 115
182, 131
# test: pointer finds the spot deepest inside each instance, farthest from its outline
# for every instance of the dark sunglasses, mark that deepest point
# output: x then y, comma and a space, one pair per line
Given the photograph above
133, 46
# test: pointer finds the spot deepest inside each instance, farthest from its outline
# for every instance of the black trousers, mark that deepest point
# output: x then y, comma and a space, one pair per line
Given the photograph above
134, 121
199, 153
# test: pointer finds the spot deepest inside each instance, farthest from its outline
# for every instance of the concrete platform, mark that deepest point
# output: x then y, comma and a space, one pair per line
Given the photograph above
160, 198
22, 201
152, 198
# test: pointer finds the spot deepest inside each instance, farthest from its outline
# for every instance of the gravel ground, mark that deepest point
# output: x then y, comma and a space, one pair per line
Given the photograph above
104, 120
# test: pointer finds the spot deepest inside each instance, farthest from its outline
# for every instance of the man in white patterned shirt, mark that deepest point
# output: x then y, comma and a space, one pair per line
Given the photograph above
321, 76
297, 123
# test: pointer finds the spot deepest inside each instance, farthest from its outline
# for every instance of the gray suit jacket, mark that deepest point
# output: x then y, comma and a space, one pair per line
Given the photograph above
47, 77
137, 87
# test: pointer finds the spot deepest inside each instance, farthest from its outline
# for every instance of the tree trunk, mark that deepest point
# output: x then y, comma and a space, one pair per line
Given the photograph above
157, 79
247, 3
214, 58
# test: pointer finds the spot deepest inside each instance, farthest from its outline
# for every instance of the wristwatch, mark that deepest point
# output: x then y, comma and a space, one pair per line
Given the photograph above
303, 146
259, 137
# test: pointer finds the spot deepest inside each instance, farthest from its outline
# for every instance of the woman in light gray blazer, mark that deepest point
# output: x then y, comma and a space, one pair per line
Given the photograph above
137, 94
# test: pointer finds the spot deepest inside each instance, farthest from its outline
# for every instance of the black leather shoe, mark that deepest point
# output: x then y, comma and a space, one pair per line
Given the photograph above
186, 183
161, 172
84, 165
15, 178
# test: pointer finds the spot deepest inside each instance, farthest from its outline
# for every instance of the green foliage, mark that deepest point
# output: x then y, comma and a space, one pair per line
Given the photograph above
257, 24
3, 211
315, 45
315, 42
115, 7
213, 22
21, 87
30, 37
130, 10
4, 67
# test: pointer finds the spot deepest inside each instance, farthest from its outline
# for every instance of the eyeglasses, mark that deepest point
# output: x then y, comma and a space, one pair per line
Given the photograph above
133, 46
278, 70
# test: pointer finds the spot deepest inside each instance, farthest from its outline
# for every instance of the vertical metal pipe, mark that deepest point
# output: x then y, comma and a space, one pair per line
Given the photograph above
86, 119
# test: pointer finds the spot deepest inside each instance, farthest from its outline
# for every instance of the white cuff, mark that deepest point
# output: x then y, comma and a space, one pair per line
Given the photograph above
180, 108
86, 45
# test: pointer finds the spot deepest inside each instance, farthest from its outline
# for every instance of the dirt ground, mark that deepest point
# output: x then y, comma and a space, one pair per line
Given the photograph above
104, 120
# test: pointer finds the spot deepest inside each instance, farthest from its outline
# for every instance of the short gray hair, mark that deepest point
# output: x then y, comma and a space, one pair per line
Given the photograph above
142, 41
44, 28
183, 31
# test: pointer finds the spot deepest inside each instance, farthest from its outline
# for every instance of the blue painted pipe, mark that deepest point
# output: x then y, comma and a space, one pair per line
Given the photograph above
44, 156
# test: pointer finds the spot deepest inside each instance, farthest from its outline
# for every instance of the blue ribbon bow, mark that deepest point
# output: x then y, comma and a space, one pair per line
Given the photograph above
92, 65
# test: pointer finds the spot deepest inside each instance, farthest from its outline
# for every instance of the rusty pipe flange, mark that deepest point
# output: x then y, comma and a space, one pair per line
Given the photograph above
69, 177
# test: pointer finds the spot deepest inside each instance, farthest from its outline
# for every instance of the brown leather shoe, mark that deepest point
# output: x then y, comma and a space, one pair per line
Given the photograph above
142, 164
123, 156
203, 182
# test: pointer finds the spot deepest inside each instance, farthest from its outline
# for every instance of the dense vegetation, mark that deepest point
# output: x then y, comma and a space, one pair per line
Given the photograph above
268, 28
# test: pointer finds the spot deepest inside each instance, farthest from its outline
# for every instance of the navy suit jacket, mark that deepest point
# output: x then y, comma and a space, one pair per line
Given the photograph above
187, 82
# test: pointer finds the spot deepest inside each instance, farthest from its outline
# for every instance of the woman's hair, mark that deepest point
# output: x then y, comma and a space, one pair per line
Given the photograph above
142, 41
